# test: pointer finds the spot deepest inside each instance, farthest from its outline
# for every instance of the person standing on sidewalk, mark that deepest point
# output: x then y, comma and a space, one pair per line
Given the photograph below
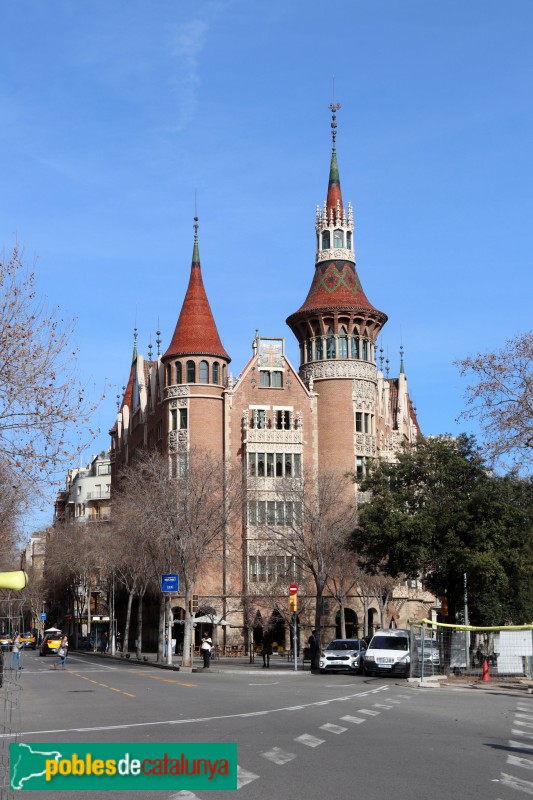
15, 656
206, 650
266, 650
314, 649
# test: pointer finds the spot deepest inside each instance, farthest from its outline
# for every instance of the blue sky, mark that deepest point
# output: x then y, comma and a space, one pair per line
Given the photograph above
114, 114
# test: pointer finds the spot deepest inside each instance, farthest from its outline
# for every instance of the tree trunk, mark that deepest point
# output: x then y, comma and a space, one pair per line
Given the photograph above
125, 643
343, 620
164, 602
187, 632
138, 649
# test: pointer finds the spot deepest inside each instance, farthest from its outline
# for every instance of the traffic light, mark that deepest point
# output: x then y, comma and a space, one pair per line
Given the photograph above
444, 606
193, 604
293, 603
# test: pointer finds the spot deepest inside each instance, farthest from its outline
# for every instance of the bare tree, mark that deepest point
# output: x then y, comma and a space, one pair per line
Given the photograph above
382, 589
183, 514
501, 397
41, 398
343, 579
322, 512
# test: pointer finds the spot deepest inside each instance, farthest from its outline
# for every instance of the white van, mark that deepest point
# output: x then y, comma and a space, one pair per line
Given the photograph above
388, 653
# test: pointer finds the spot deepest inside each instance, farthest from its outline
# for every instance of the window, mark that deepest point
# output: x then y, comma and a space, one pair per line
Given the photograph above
204, 372
274, 465
252, 512
173, 419
367, 423
343, 344
277, 379
330, 344
216, 372
318, 348
251, 465
338, 238
364, 348
259, 419
355, 346
359, 422
191, 372
309, 350
349, 240
271, 512
325, 240
159, 431
264, 378
183, 418
283, 420
182, 464
359, 469
169, 374
178, 372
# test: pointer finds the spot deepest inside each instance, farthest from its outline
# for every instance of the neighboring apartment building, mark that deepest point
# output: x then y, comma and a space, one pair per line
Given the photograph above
337, 409
87, 493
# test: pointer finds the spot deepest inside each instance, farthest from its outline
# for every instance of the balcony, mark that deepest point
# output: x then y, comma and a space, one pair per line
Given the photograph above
102, 494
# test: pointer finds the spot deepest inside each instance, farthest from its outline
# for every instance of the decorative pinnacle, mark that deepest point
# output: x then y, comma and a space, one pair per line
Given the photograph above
334, 107
158, 341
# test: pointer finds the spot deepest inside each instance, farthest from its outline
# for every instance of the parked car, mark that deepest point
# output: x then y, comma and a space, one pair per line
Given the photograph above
343, 655
388, 653
28, 639
5, 641
51, 643
431, 651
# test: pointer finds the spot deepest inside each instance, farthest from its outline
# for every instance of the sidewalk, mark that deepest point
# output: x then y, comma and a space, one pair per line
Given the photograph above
240, 664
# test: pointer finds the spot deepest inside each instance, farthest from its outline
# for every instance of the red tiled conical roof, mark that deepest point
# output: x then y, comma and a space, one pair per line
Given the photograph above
196, 332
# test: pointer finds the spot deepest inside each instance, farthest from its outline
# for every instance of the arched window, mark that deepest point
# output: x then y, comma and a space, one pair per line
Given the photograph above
191, 372
349, 240
204, 372
216, 372
364, 353
319, 353
330, 344
178, 372
355, 346
343, 343
309, 350
169, 374
325, 240
338, 238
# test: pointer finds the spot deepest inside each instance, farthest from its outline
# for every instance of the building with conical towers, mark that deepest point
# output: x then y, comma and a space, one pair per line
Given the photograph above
273, 425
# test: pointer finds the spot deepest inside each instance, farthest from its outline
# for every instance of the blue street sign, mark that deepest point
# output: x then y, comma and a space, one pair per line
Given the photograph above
170, 583
43, 617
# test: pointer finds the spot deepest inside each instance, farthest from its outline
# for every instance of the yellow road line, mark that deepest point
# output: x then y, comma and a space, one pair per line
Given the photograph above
103, 685
166, 680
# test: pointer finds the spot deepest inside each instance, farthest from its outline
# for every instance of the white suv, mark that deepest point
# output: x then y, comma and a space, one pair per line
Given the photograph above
388, 653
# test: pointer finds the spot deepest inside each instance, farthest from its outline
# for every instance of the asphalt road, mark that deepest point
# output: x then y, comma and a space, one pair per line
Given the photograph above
299, 735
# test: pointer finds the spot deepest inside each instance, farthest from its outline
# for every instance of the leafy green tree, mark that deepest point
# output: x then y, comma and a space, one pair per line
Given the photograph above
439, 513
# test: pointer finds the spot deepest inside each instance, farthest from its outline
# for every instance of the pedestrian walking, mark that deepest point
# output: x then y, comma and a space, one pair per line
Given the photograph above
62, 654
266, 650
314, 649
206, 647
15, 655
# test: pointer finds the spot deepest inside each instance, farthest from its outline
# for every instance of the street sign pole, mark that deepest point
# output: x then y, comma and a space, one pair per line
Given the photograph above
169, 583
